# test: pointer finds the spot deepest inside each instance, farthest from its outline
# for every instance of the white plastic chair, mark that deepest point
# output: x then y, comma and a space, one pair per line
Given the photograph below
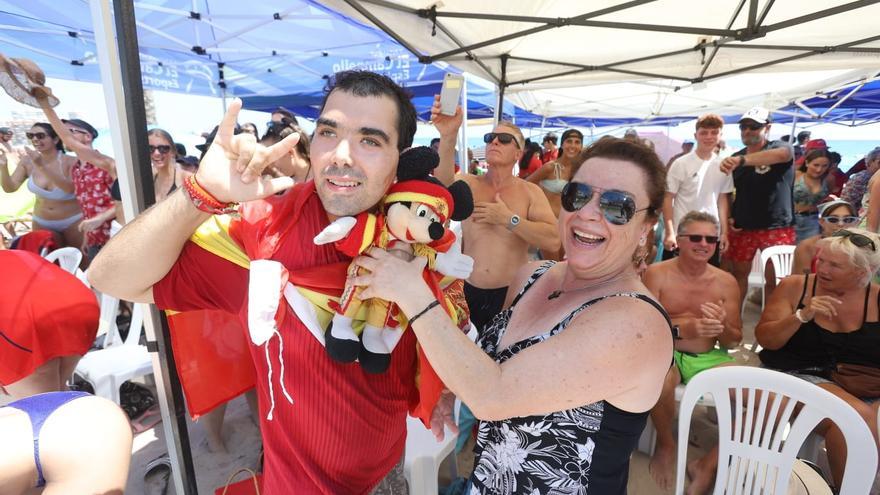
754, 458
756, 278
106, 369
421, 463
782, 258
68, 258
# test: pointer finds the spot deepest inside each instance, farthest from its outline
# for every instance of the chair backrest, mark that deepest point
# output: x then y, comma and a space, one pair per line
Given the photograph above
757, 266
107, 323
68, 258
756, 456
782, 258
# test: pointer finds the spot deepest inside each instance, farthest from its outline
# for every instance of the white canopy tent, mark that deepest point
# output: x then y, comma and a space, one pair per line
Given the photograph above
640, 58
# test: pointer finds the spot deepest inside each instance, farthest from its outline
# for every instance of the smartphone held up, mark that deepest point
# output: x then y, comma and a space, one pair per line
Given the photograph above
450, 93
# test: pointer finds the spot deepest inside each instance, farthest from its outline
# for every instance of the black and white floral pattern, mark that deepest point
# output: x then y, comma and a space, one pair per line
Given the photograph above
535, 455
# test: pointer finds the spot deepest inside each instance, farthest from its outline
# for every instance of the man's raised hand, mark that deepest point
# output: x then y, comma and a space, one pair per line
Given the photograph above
232, 168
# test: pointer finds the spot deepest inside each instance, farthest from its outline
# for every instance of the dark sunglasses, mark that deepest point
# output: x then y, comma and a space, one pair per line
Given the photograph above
858, 240
695, 238
35, 135
162, 148
751, 127
618, 207
847, 220
503, 138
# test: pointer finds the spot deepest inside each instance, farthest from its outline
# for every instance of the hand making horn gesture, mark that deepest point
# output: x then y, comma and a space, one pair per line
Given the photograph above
232, 169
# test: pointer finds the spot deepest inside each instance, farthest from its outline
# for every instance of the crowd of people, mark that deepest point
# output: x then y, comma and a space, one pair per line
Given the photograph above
564, 293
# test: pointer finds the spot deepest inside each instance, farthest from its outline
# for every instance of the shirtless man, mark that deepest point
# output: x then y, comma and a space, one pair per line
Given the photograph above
704, 304
510, 215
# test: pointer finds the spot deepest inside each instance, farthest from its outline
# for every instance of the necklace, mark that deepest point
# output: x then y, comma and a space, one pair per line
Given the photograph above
559, 292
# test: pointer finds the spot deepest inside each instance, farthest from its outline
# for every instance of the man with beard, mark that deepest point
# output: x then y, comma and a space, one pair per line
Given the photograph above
763, 210
704, 305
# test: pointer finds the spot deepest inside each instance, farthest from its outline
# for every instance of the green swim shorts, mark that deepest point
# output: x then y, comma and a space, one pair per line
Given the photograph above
690, 364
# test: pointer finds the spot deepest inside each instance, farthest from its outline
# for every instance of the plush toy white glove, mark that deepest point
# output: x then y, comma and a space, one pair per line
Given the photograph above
454, 264
336, 230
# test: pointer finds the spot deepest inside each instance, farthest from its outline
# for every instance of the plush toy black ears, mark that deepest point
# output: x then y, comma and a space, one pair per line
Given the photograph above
464, 200
417, 163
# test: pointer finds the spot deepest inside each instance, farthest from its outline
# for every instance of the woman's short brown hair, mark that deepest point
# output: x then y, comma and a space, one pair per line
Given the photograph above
639, 155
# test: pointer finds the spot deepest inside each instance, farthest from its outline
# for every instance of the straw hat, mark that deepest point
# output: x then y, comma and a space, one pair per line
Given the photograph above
20, 76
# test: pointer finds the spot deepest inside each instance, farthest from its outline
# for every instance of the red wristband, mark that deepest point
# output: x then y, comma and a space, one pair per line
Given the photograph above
205, 201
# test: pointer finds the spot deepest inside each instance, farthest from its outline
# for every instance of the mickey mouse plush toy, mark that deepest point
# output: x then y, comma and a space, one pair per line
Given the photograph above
411, 222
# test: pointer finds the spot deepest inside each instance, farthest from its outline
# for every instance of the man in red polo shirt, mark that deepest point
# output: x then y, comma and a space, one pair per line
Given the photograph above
327, 427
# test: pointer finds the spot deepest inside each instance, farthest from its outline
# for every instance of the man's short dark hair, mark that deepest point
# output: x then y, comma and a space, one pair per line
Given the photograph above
435, 140
365, 83
550, 137
803, 136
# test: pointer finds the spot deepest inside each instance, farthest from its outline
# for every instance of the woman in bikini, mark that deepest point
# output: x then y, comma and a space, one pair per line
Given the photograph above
92, 175
64, 442
47, 171
553, 176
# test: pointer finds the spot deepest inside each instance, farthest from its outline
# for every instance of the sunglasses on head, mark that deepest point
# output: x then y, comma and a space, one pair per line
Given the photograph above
858, 240
618, 207
752, 127
162, 149
74, 130
35, 135
503, 138
695, 238
847, 220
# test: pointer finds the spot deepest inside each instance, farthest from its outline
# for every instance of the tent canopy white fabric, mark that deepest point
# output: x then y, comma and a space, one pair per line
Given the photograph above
641, 58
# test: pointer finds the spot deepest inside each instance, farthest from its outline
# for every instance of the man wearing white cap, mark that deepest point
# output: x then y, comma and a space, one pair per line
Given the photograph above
763, 177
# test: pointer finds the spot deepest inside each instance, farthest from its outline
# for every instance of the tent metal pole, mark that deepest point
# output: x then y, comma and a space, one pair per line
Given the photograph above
462, 131
818, 15
120, 71
841, 100
551, 24
499, 109
793, 128
356, 5
221, 82
715, 49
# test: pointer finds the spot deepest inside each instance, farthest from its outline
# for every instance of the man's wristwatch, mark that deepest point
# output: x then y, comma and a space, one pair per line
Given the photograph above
676, 332
514, 221
800, 317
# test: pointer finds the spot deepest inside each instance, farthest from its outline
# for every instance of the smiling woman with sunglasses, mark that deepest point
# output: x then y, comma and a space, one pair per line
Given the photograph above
47, 171
825, 329
163, 158
562, 352
833, 216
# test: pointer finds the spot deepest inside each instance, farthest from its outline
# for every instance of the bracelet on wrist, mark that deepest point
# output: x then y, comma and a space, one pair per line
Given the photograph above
205, 201
429, 307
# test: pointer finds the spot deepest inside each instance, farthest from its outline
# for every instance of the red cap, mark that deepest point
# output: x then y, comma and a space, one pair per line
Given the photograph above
813, 144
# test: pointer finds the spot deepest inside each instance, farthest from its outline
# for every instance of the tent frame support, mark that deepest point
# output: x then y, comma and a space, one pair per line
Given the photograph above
753, 29
121, 73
